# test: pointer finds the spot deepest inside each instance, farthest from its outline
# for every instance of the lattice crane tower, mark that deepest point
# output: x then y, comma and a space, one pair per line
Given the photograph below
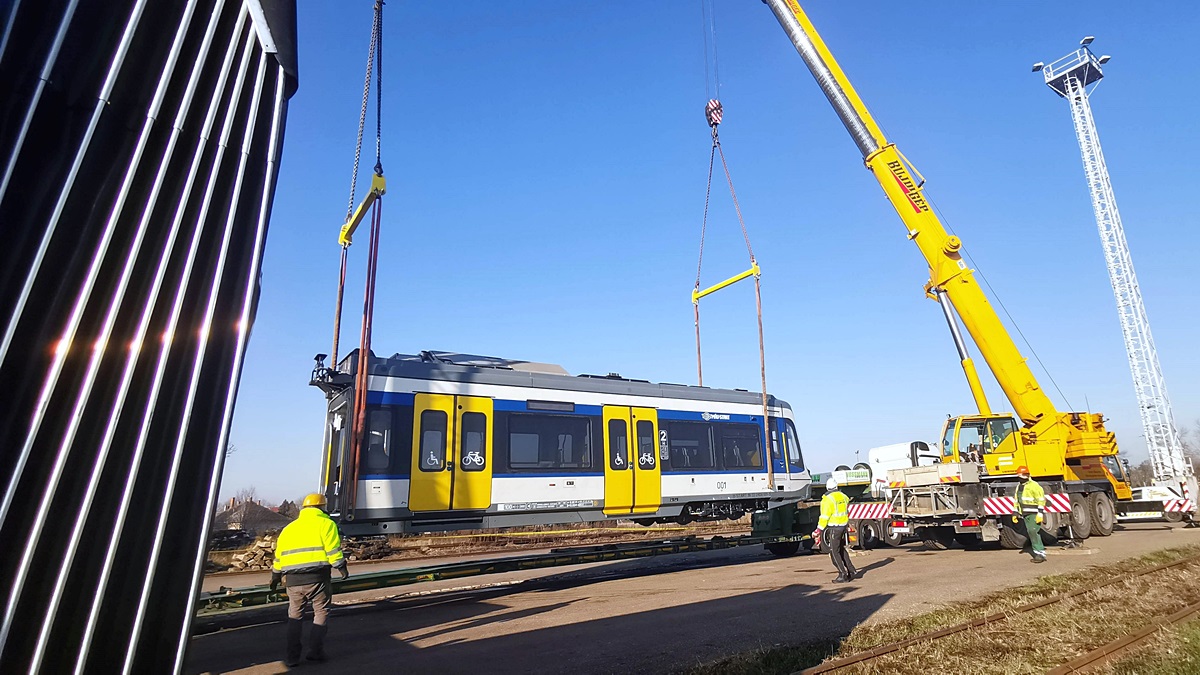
1070, 78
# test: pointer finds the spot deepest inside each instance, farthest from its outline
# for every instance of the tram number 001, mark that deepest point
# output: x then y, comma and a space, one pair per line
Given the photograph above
721, 485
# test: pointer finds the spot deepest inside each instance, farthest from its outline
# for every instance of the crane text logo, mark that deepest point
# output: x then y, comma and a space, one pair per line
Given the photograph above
910, 188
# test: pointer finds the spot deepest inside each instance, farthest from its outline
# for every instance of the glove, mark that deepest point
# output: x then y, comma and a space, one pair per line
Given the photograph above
1040, 519
816, 534
275, 577
344, 572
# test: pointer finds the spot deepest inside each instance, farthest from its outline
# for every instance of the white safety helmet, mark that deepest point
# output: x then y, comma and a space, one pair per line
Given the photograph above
831, 484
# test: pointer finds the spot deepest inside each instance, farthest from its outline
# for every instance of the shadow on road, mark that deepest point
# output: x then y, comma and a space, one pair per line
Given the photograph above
546, 627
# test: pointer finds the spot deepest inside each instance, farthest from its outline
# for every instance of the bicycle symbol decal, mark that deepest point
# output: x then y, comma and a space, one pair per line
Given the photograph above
647, 459
472, 458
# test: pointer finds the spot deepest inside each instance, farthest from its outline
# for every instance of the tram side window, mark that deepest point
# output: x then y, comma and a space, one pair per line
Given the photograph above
433, 440
691, 445
379, 440
549, 442
795, 459
740, 446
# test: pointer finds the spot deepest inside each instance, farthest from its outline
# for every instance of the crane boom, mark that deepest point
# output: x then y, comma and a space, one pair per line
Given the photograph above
948, 271
1070, 445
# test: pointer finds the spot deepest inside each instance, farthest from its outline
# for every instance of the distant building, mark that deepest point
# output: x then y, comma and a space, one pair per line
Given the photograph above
251, 518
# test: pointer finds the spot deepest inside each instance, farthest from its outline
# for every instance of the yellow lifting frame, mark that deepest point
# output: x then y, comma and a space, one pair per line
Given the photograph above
378, 189
754, 271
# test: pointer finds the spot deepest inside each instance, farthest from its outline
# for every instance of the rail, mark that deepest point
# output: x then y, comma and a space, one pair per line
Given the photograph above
1101, 655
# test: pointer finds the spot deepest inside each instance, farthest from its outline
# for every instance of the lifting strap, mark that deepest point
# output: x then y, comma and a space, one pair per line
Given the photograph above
713, 113
371, 204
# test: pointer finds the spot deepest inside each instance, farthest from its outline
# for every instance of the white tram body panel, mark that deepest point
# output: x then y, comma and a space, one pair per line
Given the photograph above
457, 442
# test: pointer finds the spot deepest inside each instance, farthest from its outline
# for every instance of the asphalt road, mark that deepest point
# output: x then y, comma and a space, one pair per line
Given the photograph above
645, 616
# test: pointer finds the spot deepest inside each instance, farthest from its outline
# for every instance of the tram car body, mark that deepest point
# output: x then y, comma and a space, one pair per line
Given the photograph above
453, 441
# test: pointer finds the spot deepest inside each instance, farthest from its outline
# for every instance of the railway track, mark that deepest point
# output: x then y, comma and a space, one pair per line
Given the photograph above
1087, 661
1121, 646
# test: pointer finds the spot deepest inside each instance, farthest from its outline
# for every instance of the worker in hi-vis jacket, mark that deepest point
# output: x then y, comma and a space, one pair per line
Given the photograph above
835, 516
1030, 502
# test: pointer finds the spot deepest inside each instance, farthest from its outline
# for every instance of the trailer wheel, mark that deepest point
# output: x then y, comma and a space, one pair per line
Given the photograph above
1013, 536
1101, 508
869, 533
784, 549
889, 537
937, 538
968, 539
1081, 516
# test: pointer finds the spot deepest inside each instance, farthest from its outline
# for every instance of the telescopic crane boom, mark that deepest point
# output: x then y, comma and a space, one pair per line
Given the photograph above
1070, 445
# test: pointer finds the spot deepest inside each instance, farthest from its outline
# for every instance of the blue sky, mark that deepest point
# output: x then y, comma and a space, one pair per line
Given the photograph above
546, 165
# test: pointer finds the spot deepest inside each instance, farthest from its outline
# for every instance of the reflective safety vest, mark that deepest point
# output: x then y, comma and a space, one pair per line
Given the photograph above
835, 510
309, 543
1031, 498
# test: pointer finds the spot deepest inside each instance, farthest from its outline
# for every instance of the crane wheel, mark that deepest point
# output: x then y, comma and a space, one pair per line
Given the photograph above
1173, 516
1103, 518
1081, 516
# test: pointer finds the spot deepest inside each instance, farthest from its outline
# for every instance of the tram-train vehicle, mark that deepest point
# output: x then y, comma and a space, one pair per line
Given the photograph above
455, 441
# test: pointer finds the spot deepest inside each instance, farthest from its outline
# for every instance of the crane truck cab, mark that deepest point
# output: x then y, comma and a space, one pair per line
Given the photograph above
996, 443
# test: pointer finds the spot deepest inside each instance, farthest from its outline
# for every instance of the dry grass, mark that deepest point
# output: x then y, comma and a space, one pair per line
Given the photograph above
1030, 642
1173, 651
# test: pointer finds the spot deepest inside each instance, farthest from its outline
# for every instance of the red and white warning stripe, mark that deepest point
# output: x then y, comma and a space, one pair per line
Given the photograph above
1178, 505
870, 510
1002, 506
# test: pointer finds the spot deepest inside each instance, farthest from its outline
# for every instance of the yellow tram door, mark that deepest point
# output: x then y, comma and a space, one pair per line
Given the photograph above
632, 475
451, 453
472, 484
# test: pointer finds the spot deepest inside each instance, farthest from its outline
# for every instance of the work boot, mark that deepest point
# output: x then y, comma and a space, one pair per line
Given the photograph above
1039, 558
316, 651
840, 579
293, 642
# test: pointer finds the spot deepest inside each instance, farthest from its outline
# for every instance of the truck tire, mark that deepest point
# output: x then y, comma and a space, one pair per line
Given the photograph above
869, 534
968, 539
890, 537
1081, 516
1173, 516
937, 538
1013, 536
1103, 518
784, 549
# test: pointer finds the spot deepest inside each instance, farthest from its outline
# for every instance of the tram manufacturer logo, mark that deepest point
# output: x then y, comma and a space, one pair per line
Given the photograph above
908, 186
708, 417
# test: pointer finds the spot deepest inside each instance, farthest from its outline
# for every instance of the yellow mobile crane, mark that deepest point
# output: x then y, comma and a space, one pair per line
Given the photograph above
1071, 453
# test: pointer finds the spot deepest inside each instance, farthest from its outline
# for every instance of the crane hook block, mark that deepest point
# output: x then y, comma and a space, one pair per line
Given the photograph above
378, 189
712, 112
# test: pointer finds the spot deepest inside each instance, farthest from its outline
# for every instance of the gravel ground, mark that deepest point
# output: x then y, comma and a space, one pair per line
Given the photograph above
645, 616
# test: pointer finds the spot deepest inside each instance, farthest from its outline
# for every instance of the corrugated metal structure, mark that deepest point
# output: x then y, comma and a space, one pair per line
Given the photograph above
139, 148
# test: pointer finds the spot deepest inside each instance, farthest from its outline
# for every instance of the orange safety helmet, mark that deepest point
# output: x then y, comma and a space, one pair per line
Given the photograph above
1021, 471
317, 499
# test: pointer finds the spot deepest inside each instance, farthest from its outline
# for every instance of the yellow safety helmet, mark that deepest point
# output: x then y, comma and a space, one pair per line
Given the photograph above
315, 499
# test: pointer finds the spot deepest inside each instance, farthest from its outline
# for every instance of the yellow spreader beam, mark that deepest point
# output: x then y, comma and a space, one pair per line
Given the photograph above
752, 272
378, 188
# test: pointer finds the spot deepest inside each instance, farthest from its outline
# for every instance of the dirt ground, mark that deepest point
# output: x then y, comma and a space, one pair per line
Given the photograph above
646, 616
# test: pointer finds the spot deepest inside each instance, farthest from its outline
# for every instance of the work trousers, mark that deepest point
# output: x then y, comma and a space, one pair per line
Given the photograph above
837, 551
1035, 534
300, 597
